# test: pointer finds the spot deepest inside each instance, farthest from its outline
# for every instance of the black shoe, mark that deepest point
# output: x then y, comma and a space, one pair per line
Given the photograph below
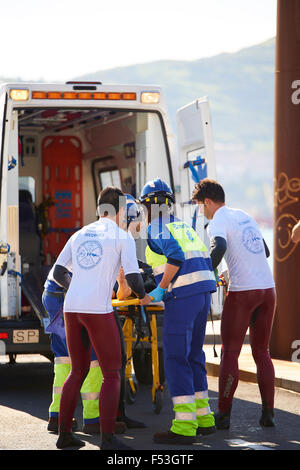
132, 423
94, 428
66, 439
110, 442
170, 437
222, 420
206, 431
267, 417
53, 425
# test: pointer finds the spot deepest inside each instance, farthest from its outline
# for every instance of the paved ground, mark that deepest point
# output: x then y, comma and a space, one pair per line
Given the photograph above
25, 394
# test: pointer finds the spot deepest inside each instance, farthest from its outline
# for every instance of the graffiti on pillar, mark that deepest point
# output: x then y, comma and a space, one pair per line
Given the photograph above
296, 94
287, 193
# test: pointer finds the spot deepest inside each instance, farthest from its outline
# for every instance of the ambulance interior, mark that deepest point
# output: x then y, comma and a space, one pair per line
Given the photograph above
66, 156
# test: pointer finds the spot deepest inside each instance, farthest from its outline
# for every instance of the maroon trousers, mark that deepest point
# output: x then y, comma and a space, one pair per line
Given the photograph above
243, 309
100, 331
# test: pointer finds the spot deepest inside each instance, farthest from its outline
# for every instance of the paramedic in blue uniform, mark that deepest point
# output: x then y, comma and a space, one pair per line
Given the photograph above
185, 281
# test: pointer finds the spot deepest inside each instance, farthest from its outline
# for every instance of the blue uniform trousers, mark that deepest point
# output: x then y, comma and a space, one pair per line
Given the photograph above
183, 337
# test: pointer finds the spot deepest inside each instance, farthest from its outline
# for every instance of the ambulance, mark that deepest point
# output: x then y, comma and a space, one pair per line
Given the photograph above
60, 145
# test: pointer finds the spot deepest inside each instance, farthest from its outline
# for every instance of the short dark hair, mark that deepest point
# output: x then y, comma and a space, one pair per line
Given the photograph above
110, 201
208, 188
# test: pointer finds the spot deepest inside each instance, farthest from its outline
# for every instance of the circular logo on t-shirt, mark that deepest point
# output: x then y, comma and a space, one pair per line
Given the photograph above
89, 254
252, 240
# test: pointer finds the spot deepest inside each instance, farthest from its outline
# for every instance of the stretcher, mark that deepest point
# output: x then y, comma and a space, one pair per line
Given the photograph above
131, 311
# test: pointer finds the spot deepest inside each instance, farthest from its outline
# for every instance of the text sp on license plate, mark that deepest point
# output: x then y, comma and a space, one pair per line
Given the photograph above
25, 336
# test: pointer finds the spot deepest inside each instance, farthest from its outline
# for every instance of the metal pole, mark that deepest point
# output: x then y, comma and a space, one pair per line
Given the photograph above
285, 339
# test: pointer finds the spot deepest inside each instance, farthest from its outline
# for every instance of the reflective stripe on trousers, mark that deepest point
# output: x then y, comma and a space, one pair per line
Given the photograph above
90, 392
204, 415
90, 389
185, 422
62, 367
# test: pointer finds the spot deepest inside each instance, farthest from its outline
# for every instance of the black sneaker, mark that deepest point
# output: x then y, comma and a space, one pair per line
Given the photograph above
66, 439
222, 420
133, 423
206, 431
172, 438
94, 428
267, 417
110, 442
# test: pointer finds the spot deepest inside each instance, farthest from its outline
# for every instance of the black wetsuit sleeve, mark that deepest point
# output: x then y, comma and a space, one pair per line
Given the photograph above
266, 249
116, 287
62, 276
218, 247
136, 284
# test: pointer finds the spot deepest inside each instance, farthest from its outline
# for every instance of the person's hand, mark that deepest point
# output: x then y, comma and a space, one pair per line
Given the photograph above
146, 300
157, 294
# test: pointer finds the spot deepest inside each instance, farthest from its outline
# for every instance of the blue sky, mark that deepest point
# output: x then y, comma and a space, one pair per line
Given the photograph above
61, 39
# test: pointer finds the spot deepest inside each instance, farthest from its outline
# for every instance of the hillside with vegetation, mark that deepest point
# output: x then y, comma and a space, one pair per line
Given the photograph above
240, 88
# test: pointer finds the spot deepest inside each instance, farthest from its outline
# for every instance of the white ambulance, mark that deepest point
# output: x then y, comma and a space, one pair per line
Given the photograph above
60, 145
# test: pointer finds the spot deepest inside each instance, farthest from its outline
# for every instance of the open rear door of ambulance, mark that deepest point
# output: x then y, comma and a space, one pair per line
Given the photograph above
9, 217
196, 154
196, 161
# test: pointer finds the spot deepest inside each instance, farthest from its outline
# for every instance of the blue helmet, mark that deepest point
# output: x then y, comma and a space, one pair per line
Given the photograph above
157, 192
132, 209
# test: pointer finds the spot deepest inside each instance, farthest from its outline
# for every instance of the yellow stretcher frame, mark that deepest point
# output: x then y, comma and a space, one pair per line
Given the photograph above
128, 332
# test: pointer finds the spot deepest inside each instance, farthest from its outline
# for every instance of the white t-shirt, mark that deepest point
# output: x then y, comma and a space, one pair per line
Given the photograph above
248, 267
95, 254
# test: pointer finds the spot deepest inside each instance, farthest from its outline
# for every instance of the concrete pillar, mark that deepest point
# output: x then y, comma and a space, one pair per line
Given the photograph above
285, 340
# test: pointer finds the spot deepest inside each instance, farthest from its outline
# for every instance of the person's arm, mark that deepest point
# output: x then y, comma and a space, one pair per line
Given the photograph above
130, 266
169, 273
218, 247
62, 276
63, 267
296, 232
158, 293
165, 245
136, 284
267, 251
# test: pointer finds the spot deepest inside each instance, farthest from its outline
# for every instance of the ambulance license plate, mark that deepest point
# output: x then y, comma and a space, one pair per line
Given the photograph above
25, 336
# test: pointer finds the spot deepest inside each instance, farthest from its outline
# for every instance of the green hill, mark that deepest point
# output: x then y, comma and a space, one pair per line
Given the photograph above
240, 87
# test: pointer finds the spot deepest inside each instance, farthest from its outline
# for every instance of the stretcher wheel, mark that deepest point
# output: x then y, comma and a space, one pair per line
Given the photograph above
130, 391
158, 401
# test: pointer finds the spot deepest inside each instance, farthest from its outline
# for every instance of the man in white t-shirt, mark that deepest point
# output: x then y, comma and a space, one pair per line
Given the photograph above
95, 255
250, 300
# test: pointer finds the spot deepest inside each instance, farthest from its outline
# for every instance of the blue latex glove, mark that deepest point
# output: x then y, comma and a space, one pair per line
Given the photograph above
157, 294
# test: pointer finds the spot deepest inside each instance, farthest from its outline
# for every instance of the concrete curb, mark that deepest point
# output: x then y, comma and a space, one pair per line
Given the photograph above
248, 376
287, 374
